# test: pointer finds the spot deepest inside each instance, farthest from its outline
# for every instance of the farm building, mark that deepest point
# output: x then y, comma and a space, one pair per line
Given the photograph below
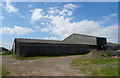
112, 46
72, 45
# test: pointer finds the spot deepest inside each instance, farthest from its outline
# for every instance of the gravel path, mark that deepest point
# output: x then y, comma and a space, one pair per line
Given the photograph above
56, 66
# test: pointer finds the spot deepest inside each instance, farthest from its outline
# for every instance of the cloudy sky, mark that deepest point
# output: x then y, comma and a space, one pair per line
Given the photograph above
57, 20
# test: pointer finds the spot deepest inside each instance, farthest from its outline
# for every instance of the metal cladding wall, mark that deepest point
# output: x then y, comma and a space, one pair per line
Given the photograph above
50, 49
112, 47
81, 39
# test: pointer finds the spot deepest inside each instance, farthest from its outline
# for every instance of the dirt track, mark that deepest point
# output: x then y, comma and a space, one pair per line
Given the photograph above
56, 66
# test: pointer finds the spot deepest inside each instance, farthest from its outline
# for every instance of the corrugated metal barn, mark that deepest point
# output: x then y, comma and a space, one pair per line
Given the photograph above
113, 46
72, 45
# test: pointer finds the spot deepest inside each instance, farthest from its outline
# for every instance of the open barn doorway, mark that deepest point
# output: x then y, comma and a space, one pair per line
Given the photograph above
101, 43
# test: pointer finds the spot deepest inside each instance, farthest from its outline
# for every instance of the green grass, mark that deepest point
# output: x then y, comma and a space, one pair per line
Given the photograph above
97, 67
36, 57
3, 72
30, 58
6, 55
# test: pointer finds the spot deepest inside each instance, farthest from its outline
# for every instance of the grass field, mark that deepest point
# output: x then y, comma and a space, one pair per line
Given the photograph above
97, 67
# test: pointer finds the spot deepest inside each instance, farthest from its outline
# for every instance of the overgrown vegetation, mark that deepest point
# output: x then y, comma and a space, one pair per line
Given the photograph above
109, 53
97, 67
5, 51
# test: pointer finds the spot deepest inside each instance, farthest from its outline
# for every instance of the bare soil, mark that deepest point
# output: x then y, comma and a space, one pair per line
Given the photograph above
56, 66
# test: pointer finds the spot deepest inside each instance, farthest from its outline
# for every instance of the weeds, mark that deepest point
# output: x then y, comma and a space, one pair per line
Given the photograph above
98, 67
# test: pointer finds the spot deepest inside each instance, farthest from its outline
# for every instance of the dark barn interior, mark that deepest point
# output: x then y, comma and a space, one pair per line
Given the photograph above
101, 43
74, 44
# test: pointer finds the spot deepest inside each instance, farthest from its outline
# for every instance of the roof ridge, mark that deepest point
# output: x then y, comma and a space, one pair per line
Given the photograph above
36, 39
87, 35
78, 34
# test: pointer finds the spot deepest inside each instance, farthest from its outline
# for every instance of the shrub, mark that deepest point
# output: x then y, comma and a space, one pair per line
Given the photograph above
109, 53
7, 53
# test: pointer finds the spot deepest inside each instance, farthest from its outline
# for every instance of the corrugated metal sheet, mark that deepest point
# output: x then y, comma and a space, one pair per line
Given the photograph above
49, 49
72, 39
37, 40
112, 44
81, 39
74, 44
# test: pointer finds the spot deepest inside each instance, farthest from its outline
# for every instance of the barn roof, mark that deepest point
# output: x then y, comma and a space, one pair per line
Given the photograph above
81, 39
37, 40
72, 39
75, 34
